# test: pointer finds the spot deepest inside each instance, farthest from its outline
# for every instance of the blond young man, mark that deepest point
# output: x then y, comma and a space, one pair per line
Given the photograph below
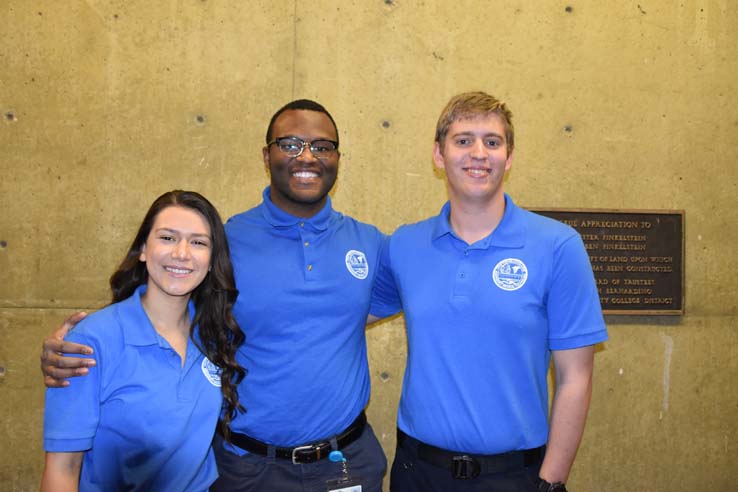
491, 292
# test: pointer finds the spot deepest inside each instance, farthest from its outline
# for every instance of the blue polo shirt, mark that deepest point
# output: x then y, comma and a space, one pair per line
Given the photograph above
145, 421
304, 292
481, 322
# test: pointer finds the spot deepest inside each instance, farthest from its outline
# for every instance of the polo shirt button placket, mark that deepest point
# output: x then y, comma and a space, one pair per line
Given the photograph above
176, 361
462, 286
307, 250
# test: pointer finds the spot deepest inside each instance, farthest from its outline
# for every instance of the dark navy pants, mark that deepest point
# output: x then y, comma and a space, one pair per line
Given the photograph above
411, 474
255, 473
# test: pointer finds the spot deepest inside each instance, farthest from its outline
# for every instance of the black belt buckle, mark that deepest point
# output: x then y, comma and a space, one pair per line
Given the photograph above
465, 467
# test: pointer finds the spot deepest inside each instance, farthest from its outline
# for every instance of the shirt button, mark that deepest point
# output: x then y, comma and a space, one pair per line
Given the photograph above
310, 268
307, 243
462, 275
302, 224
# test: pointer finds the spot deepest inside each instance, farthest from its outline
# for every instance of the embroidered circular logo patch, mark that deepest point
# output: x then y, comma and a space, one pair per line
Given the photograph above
211, 371
510, 274
356, 264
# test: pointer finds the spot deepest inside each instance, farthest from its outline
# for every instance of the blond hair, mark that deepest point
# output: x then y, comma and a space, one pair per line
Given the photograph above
470, 105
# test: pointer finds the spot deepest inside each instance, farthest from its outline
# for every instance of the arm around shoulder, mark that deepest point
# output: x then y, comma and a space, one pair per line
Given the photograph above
54, 365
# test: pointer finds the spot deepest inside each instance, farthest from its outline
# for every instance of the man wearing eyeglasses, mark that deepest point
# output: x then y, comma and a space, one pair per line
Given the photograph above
304, 274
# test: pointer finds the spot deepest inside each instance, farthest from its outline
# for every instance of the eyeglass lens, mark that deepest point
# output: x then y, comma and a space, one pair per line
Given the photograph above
293, 146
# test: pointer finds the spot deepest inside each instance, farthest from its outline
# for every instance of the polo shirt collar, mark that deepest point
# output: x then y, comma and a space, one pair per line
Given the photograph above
137, 328
510, 232
279, 218
442, 224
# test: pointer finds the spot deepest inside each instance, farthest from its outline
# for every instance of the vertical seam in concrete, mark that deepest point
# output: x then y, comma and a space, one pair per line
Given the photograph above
668, 349
294, 48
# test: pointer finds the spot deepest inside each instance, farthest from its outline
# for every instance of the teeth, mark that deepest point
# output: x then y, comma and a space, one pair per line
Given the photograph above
177, 270
305, 174
477, 172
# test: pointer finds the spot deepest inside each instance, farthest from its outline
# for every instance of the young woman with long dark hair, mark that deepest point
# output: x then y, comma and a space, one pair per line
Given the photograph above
165, 366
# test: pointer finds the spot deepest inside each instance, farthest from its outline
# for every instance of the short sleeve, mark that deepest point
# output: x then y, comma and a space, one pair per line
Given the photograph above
71, 414
574, 311
385, 294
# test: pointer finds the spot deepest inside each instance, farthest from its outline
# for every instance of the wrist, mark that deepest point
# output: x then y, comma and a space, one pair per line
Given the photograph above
544, 486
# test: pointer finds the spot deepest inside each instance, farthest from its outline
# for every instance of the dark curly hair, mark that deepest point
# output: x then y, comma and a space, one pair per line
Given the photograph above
220, 335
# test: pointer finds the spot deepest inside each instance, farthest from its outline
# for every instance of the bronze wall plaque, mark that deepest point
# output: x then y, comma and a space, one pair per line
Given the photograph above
637, 257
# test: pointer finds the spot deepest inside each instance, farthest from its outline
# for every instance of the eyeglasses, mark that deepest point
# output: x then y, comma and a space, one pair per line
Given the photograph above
293, 146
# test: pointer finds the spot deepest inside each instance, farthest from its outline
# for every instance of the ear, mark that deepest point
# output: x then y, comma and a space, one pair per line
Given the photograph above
508, 162
142, 256
438, 159
265, 155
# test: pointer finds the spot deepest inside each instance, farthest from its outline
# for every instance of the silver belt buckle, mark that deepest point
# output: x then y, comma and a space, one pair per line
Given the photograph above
301, 448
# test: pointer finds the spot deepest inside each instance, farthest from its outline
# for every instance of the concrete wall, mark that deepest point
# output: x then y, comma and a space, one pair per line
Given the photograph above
106, 104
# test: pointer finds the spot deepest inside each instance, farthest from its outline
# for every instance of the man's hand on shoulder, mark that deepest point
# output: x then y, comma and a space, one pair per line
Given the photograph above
54, 365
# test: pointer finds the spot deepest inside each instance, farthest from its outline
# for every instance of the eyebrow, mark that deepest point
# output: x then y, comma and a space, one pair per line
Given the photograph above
473, 134
307, 139
167, 229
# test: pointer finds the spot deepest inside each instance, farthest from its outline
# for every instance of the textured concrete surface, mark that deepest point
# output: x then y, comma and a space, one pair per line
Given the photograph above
106, 104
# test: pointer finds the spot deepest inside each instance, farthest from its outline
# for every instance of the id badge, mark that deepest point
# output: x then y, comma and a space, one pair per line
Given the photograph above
344, 484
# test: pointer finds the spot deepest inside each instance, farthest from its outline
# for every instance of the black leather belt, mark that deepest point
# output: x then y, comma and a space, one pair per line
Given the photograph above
466, 466
308, 453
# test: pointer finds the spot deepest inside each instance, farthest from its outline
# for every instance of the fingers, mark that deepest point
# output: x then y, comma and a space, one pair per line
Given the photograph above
68, 324
55, 342
54, 365
56, 369
60, 373
52, 345
57, 366
59, 361
61, 381
55, 383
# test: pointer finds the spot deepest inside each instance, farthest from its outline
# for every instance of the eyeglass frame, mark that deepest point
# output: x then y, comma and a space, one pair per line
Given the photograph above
304, 144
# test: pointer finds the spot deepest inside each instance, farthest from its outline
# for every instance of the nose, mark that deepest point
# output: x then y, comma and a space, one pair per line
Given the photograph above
306, 154
478, 150
181, 250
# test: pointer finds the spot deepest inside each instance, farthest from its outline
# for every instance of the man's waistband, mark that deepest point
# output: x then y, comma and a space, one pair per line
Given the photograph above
466, 465
308, 453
